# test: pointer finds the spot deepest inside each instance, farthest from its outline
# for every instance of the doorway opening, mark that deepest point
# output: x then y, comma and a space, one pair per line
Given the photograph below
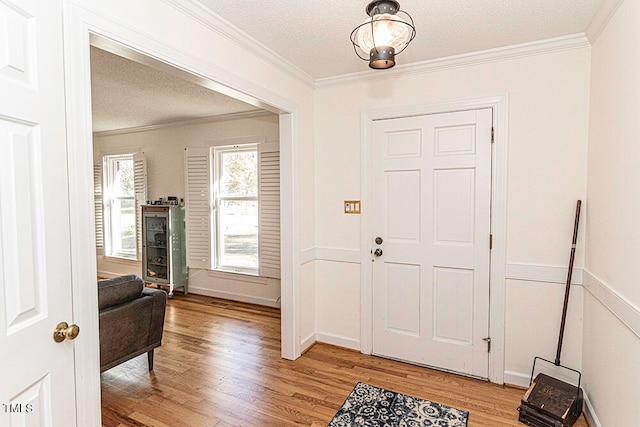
85, 28
143, 108
155, 120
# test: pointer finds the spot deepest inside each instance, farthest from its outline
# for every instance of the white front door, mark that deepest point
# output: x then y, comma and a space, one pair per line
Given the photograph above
37, 374
431, 210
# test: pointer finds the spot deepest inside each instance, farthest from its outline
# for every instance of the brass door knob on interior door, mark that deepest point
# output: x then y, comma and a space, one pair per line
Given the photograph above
377, 252
64, 331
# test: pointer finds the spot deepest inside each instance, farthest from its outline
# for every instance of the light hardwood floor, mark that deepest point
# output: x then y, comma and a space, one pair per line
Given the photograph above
220, 365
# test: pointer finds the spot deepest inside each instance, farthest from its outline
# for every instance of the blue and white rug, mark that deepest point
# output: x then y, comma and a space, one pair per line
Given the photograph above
376, 407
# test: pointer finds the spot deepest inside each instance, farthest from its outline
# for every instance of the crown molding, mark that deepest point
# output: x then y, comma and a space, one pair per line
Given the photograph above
218, 24
190, 122
603, 15
540, 47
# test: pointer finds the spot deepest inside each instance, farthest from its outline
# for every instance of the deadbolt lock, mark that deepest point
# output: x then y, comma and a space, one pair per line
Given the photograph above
378, 240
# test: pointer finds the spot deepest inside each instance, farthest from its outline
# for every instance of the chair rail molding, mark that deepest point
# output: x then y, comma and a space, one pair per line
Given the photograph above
543, 273
621, 307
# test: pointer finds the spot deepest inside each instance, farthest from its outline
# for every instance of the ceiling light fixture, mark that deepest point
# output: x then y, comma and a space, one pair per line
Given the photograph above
383, 35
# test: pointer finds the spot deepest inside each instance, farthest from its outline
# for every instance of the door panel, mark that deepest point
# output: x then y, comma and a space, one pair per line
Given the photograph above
454, 216
453, 288
432, 181
403, 208
23, 264
35, 265
403, 301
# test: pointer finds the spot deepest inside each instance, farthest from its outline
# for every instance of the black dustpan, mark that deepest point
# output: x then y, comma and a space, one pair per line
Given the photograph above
549, 401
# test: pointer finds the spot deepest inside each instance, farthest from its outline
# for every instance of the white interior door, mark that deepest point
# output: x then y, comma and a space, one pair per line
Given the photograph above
35, 269
431, 208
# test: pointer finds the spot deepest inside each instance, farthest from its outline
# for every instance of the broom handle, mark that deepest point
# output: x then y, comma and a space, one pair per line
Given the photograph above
568, 286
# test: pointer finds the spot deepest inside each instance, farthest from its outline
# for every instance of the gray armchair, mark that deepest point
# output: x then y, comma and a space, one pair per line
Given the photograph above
131, 320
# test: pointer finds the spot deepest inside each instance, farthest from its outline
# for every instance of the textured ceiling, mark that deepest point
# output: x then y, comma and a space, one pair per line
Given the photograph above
126, 94
314, 34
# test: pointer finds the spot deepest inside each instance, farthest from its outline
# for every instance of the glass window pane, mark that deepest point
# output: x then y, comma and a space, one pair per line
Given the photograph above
238, 233
123, 220
123, 184
239, 174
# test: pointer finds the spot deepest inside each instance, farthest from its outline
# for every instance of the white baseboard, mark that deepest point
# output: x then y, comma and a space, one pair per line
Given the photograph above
339, 341
517, 378
235, 297
590, 413
308, 342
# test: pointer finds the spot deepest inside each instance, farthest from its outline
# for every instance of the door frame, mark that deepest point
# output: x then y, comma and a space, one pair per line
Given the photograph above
497, 275
80, 24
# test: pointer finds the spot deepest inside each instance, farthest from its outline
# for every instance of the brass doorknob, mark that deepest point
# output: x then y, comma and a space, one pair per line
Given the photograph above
64, 331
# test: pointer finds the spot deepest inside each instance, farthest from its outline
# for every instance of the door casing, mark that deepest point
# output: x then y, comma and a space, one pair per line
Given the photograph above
499, 103
81, 25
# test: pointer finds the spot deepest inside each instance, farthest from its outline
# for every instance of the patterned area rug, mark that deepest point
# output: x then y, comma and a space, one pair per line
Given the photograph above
376, 407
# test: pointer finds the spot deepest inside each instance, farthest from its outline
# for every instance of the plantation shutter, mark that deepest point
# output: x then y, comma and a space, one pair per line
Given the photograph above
269, 217
99, 208
140, 191
197, 166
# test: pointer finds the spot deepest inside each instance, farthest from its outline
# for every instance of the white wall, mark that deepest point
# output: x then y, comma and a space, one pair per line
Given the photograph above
548, 121
612, 315
164, 150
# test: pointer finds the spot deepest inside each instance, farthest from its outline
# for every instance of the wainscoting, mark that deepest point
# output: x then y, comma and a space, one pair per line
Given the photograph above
544, 274
627, 313
618, 325
623, 309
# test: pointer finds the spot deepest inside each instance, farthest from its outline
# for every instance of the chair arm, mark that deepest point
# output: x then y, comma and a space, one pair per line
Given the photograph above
159, 303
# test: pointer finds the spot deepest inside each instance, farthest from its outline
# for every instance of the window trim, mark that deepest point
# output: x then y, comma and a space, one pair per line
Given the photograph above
216, 153
108, 198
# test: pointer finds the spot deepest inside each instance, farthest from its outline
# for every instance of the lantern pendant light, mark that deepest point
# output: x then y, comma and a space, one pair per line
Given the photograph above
384, 34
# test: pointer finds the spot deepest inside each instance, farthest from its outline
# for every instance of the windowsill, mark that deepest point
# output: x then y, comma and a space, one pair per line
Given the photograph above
254, 279
120, 260
253, 273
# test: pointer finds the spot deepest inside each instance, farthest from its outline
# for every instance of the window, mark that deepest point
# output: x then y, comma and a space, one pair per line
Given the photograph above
232, 198
235, 191
119, 206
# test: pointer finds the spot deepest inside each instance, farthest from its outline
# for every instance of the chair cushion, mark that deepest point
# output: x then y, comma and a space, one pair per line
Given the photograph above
119, 290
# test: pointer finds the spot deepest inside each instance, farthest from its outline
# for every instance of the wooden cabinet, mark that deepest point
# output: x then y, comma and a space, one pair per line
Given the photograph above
163, 246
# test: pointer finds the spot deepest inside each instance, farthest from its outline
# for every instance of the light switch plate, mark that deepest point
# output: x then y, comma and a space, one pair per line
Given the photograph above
352, 206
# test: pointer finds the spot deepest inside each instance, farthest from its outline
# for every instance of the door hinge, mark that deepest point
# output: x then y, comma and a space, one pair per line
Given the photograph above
492, 135
488, 341
490, 241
